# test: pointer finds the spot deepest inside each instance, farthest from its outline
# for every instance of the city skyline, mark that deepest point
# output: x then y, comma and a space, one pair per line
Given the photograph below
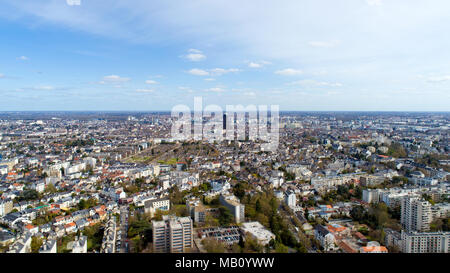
356, 55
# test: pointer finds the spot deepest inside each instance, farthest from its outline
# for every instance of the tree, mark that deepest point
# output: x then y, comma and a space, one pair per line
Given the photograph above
50, 188
225, 217
36, 244
175, 195
280, 248
28, 195
252, 245
239, 190
213, 246
358, 213
397, 150
436, 225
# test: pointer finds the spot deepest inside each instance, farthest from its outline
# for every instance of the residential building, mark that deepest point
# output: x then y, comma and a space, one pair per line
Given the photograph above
290, 199
415, 214
172, 234
6, 206
232, 203
425, 242
151, 206
22, 244
325, 237
48, 246
258, 231
371, 195
79, 245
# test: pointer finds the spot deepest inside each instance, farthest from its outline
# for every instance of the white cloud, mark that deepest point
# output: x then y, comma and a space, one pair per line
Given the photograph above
145, 90
151, 82
2, 75
185, 88
216, 89
198, 72
250, 93
328, 44
194, 55
289, 72
374, 2
316, 83
439, 78
43, 88
221, 71
210, 79
214, 71
254, 65
23, 58
114, 79
193, 50
257, 64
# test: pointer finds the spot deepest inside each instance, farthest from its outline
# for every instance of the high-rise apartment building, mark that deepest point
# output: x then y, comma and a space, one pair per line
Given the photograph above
232, 203
6, 206
425, 242
415, 214
172, 234
371, 195
291, 199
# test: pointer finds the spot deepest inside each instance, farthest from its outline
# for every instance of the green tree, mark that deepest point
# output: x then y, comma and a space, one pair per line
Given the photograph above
36, 244
213, 246
225, 217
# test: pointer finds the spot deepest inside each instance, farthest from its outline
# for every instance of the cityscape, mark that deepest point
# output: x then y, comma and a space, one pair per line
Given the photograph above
259, 132
337, 182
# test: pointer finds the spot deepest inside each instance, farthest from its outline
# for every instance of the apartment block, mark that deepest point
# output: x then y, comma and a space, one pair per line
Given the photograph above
151, 206
232, 203
425, 242
172, 234
416, 214
6, 206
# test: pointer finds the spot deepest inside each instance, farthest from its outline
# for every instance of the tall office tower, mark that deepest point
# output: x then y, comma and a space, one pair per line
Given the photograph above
172, 234
224, 121
415, 214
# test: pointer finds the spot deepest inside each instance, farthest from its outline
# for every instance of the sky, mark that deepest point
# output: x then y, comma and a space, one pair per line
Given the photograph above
303, 55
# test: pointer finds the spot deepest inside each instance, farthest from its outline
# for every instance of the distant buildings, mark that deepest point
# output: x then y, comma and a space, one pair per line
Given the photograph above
323, 184
172, 234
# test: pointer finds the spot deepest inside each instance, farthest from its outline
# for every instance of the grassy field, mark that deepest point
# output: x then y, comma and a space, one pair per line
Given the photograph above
171, 161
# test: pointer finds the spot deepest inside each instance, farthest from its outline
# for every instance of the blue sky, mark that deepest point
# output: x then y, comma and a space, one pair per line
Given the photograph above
152, 55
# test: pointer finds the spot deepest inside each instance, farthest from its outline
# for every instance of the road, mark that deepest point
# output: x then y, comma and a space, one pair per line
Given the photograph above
122, 240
